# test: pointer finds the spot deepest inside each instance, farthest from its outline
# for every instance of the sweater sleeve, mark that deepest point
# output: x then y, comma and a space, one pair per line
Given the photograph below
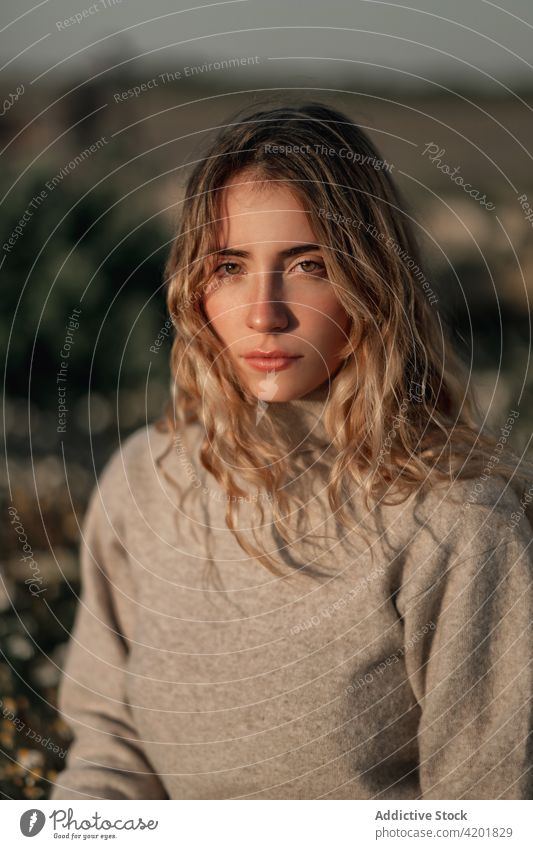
467, 614
105, 759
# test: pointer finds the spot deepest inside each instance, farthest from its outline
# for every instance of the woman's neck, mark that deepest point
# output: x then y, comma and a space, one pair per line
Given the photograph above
301, 419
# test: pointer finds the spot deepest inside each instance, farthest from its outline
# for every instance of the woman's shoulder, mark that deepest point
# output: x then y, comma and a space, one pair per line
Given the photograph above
448, 516
133, 455
487, 499
444, 536
137, 463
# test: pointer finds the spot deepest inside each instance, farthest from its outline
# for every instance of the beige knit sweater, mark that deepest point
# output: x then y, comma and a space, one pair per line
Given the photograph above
403, 677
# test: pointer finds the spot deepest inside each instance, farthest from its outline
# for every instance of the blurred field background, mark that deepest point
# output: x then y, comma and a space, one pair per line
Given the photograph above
98, 243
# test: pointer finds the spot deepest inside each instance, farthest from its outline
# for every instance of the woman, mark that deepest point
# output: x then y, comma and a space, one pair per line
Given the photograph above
306, 583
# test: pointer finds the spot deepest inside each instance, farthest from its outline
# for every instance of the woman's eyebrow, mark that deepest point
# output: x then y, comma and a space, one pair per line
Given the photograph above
294, 251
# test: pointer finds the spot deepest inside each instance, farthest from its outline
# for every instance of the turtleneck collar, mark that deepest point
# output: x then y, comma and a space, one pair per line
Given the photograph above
301, 419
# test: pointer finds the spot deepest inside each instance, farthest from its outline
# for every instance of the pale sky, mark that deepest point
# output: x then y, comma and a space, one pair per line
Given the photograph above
315, 39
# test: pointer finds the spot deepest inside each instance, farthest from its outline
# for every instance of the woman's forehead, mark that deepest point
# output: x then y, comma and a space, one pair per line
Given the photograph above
272, 213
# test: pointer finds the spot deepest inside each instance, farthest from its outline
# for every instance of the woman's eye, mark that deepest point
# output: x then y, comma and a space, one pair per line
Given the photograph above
307, 262
233, 269
228, 265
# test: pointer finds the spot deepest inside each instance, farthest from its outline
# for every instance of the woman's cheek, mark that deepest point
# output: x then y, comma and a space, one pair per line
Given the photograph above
213, 301
324, 320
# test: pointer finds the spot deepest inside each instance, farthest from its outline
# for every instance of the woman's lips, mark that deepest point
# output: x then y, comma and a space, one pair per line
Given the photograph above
271, 363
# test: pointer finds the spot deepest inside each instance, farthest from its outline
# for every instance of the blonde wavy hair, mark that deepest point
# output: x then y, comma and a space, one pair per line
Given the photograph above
400, 371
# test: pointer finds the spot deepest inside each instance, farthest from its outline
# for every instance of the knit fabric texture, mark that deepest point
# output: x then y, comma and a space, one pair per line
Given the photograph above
394, 664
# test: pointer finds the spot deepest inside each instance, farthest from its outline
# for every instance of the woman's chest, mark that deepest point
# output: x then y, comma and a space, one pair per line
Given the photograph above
238, 690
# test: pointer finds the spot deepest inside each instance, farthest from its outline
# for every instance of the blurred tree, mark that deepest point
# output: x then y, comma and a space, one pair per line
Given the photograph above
113, 274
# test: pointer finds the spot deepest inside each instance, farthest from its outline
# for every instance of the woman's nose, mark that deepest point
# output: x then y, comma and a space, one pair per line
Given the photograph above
265, 311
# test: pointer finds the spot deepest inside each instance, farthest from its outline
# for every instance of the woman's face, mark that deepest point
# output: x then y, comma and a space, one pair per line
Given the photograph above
268, 292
